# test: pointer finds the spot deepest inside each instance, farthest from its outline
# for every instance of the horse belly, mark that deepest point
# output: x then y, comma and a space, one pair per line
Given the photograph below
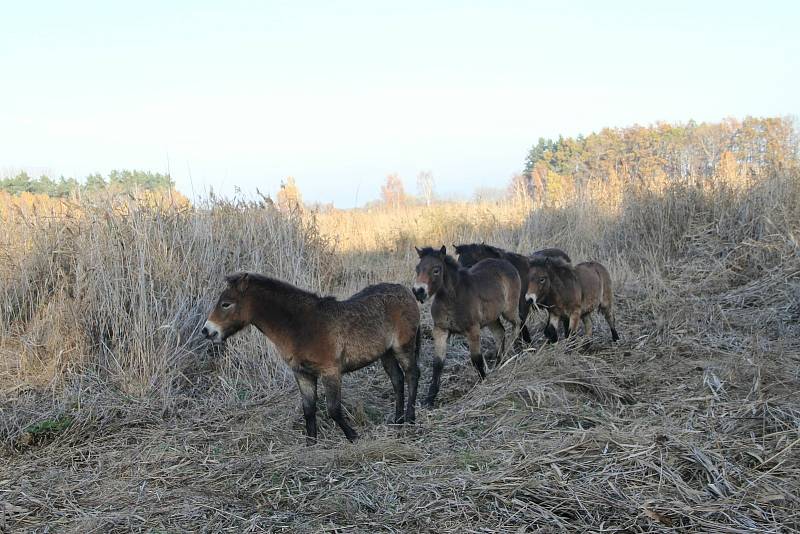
362, 351
350, 364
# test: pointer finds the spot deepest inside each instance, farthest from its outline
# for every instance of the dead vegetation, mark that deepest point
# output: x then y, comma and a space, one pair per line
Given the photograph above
690, 423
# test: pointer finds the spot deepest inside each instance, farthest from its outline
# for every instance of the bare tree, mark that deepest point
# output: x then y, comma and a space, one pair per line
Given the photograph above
425, 186
520, 189
392, 191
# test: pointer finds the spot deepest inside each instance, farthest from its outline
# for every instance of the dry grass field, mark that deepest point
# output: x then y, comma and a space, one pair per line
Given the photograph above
115, 415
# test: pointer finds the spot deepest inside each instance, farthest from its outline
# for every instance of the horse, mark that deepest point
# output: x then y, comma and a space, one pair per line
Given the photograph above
464, 301
570, 293
469, 255
322, 337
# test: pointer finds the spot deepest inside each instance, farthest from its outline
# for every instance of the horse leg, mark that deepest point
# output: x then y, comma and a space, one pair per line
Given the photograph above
333, 397
396, 376
474, 342
517, 321
439, 351
587, 325
499, 335
524, 309
565, 324
308, 391
574, 318
608, 313
408, 363
551, 330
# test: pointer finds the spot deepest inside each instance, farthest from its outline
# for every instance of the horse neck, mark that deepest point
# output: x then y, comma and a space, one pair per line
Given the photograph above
280, 310
452, 277
559, 286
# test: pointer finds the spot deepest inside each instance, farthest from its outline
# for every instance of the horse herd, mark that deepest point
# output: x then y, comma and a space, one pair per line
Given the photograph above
320, 338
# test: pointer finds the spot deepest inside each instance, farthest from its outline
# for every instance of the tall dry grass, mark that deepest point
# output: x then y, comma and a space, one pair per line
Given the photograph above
117, 287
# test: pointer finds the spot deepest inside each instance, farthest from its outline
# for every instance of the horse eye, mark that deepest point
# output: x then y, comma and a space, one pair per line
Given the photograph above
437, 271
542, 280
226, 305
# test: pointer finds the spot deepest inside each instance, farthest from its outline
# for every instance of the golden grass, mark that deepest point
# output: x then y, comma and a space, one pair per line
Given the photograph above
392, 229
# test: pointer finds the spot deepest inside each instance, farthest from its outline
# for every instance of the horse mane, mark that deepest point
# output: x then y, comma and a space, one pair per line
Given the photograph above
449, 260
274, 285
550, 262
497, 252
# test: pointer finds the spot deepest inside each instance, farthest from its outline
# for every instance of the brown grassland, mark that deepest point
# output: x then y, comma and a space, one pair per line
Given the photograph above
116, 416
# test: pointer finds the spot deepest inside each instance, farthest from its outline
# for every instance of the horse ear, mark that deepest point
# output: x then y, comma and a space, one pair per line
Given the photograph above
239, 281
419, 252
443, 250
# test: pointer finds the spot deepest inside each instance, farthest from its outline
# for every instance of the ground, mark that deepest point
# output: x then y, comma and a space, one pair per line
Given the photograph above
691, 422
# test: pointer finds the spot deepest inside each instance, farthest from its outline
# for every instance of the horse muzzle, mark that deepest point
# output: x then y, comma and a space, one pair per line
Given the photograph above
420, 292
212, 332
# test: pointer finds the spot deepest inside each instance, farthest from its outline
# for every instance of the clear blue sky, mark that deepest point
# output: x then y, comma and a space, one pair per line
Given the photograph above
339, 94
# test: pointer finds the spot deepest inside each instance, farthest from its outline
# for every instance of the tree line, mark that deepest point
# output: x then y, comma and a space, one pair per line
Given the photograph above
121, 180
753, 147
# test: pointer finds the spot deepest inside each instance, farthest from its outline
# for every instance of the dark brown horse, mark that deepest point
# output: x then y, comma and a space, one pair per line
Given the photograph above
571, 293
469, 255
321, 337
464, 301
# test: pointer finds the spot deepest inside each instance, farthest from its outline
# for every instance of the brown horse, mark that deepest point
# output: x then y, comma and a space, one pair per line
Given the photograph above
464, 301
321, 337
571, 293
469, 255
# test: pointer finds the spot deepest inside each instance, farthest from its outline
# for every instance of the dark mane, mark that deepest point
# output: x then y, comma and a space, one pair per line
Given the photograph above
275, 285
488, 250
497, 252
552, 262
448, 259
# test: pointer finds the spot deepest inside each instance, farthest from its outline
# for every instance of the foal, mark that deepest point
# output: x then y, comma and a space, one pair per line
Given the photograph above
321, 337
469, 255
464, 300
571, 293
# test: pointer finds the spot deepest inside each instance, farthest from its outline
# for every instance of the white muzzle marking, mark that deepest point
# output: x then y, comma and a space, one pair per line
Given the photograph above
420, 291
531, 297
213, 331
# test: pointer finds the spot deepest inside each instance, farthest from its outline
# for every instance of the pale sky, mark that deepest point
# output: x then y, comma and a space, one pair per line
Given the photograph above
340, 94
